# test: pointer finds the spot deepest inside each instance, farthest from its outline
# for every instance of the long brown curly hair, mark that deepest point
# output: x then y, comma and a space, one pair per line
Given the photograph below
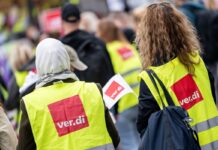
164, 33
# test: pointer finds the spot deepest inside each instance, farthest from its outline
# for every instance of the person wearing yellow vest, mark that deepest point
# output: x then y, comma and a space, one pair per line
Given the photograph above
125, 61
63, 112
22, 62
169, 47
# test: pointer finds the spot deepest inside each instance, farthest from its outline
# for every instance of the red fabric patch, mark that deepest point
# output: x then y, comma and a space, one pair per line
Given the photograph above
187, 92
68, 115
34, 70
125, 53
114, 90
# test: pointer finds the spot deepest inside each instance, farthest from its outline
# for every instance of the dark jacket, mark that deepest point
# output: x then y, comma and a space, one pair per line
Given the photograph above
148, 104
93, 53
206, 25
26, 139
190, 9
130, 35
206, 22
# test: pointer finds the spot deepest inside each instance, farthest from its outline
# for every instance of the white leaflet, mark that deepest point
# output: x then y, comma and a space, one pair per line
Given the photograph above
117, 92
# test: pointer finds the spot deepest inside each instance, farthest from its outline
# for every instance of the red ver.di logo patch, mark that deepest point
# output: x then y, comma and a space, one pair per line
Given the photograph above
114, 90
187, 92
68, 115
125, 53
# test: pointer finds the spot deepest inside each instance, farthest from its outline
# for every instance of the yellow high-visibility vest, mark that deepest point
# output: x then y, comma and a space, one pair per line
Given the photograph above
20, 77
4, 92
69, 116
75, 2
125, 60
192, 92
21, 22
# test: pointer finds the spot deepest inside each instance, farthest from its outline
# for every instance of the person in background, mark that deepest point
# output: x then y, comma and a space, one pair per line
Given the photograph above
33, 34
137, 14
189, 8
169, 46
211, 4
4, 28
122, 20
8, 138
21, 55
208, 34
204, 18
90, 49
126, 23
70, 114
125, 60
89, 22
23, 61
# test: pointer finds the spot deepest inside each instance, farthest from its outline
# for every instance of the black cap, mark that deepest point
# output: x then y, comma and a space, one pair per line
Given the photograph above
70, 13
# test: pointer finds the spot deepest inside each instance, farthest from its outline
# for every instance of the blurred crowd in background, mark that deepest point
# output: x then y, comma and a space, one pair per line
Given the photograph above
28, 21
23, 23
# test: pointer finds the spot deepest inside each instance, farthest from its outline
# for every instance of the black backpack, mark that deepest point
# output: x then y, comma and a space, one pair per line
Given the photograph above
168, 129
96, 57
207, 28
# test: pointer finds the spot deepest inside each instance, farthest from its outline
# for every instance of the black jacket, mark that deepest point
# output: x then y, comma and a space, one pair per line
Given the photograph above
93, 53
148, 105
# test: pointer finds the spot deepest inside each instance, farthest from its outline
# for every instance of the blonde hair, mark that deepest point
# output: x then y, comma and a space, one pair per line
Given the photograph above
164, 33
89, 22
21, 55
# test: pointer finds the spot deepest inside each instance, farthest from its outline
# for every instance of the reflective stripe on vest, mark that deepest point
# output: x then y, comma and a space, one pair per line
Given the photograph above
131, 71
67, 116
134, 85
189, 92
211, 146
125, 74
202, 126
104, 147
125, 60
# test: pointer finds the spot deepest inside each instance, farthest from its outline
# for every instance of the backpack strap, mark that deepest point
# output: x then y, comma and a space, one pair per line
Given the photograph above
153, 75
156, 87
